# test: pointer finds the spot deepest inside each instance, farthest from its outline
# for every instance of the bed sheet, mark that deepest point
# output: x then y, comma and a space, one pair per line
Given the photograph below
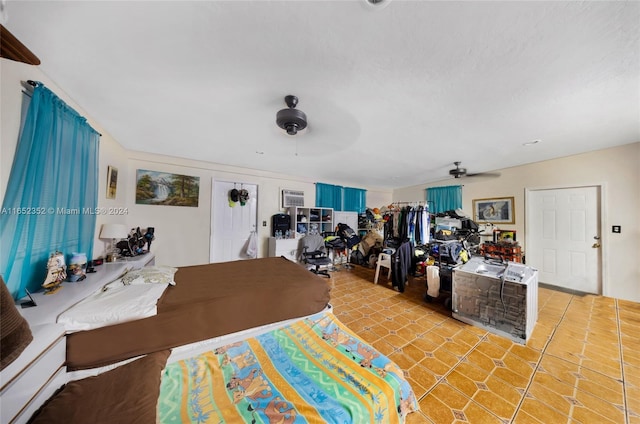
313, 370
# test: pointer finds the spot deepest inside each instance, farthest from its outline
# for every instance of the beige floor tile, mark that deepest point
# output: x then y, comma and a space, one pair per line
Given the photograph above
600, 406
555, 384
417, 418
525, 352
467, 337
543, 413
585, 415
524, 418
569, 369
475, 373
477, 414
462, 383
551, 398
425, 377
496, 404
435, 410
491, 349
518, 365
504, 389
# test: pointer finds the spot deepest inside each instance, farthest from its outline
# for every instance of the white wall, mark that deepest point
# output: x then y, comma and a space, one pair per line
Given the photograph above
182, 233
616, 170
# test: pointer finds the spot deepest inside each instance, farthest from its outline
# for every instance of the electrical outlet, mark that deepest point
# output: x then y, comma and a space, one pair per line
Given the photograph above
264, 223
616, 229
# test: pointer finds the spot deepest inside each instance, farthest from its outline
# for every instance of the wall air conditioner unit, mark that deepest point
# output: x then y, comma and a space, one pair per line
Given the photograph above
292, 198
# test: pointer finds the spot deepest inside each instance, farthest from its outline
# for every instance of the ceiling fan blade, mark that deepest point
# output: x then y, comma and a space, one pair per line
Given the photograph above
484, 174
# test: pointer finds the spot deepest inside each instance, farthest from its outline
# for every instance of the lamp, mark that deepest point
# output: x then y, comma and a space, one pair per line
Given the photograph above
113, 232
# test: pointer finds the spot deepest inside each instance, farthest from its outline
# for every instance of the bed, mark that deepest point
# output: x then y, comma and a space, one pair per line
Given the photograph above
206, 301
247, 341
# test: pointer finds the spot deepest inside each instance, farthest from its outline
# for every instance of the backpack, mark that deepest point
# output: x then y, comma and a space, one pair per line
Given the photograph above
347, 234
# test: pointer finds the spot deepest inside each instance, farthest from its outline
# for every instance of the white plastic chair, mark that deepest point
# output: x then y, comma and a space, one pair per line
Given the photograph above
384, 259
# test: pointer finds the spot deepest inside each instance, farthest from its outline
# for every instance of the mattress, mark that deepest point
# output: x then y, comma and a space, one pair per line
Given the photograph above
207, 301
312, 369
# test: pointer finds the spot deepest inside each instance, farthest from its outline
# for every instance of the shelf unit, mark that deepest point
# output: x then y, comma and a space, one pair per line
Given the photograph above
302, 219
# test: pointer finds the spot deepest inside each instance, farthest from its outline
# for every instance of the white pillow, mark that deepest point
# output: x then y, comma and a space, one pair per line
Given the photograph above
113, 306
146, 275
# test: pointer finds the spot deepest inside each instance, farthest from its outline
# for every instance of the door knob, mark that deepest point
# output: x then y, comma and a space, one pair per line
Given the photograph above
596, 245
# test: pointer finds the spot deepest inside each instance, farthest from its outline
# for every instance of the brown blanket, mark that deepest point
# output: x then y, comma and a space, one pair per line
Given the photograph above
127, 394
207, 301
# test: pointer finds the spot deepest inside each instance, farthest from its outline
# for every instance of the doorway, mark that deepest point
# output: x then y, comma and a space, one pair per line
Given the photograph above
563, 237
232, 222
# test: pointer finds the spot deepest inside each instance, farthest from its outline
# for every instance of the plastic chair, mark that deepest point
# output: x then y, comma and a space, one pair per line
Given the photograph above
384, 260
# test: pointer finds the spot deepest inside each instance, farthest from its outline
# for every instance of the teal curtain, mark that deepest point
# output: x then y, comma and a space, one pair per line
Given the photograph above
441, 199
329, 196
354, 200
52, 193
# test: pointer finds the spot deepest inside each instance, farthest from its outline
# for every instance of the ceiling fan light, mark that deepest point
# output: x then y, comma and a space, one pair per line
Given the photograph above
291, 120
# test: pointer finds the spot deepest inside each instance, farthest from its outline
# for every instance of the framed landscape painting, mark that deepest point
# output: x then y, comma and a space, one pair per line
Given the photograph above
498, 210
112, 182
164, 188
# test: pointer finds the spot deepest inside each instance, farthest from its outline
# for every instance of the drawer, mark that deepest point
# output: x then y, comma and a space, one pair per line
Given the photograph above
37, 377
55, 382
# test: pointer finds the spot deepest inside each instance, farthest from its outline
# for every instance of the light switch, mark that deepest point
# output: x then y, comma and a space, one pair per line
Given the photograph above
616, 229
264, 223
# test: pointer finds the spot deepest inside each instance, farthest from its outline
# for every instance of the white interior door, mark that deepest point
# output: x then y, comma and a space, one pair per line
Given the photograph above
231, 225
563, 237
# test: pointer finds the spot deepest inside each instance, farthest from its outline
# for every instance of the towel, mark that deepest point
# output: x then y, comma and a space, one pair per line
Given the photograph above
433, 281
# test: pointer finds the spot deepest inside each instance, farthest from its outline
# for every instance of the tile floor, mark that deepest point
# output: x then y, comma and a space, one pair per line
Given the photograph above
581, 364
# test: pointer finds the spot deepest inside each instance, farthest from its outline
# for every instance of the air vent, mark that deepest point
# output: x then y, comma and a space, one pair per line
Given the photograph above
292, 198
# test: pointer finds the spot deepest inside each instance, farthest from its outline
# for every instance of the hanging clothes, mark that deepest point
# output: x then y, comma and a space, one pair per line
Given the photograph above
423, 224
401, 265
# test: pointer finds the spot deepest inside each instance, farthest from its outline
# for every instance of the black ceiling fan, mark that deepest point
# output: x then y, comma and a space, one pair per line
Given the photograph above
458, 172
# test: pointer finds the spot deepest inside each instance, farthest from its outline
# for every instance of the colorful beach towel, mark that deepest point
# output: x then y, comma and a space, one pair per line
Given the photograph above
313, 371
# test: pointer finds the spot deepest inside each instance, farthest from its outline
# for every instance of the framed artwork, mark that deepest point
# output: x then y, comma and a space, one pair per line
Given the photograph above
167, 189
112, 182
498, 210
504, 235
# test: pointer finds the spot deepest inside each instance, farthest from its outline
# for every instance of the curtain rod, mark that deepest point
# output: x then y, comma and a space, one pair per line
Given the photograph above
31, 84
409, 203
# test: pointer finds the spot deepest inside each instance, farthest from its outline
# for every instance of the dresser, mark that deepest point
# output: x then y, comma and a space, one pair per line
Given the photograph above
35, 375
39, 370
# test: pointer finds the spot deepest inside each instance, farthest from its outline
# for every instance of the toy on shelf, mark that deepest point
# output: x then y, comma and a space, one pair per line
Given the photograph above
56, 273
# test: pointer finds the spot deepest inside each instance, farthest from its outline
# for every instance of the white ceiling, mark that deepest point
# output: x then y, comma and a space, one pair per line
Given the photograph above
393, 94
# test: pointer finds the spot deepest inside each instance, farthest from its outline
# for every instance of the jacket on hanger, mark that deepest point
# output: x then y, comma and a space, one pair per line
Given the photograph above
401, 262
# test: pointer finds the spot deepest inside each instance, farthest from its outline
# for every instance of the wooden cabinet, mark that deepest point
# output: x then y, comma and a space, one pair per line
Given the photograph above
305, 219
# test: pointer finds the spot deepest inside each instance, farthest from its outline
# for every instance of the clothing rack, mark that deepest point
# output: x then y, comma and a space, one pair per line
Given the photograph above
416, 203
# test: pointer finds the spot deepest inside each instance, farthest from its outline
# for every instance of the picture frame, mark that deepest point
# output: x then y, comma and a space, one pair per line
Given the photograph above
504, 236
166, 189
112, 182
495, 210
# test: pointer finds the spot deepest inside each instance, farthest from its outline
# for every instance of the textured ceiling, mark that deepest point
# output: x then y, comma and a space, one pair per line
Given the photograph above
393, 95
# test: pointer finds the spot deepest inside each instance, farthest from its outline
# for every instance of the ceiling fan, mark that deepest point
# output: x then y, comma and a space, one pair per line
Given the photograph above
462, 172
